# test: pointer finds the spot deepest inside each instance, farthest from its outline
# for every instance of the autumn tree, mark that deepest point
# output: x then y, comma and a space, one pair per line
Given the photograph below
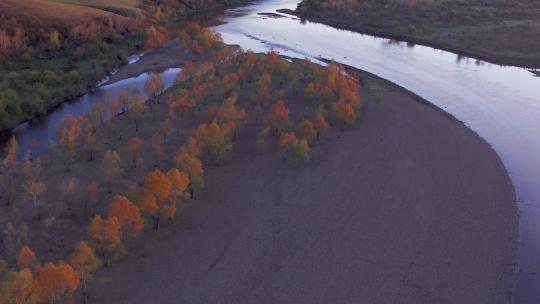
154, 85
69, 131
34, 189
132, 148
179, 183
343, 114
56, 282
128, 215
27, 258
307, 131
112, 166
157, 37
160, 186
288, 140
321, 125
229, 112
216, 138
105, 237
4, 269
137, 109
189, 163
278, 117
301, 151
10, 160
85, 263
19, 288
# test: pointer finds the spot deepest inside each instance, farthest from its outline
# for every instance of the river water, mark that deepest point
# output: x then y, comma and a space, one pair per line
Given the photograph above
35, 135
501, 104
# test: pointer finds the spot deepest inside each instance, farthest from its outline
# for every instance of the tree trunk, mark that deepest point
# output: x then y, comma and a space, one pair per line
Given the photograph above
156, 222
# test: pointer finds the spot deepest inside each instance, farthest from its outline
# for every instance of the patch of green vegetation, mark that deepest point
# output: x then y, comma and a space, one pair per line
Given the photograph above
36, 83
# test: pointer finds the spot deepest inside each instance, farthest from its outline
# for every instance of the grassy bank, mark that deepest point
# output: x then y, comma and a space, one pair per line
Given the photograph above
78, 43
502, 32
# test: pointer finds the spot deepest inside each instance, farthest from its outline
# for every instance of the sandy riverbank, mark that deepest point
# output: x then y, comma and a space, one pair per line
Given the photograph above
169, 56
410, 206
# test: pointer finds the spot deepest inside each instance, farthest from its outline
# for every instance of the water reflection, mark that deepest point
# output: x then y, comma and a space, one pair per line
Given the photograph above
35, 135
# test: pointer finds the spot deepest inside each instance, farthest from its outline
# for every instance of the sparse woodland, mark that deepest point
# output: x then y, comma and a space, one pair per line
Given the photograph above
135, 165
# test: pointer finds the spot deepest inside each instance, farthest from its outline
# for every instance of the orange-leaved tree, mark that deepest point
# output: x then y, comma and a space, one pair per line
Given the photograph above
343, 114
27, 258
288, 140
132, 148
128, 215
85, 263
278, 117
19, 287
307, 131
190, 163
56, 282
105, 237
154, 197
321, 125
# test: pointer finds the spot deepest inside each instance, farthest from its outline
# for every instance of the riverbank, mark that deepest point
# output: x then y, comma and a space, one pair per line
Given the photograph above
409, 206
40, 77
497, 39
172, 55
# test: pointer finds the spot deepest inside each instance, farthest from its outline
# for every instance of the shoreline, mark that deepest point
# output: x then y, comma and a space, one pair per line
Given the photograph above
478, 55
240, 225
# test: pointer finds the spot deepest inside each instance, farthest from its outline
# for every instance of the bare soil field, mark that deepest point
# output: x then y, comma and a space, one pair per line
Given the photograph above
409, 206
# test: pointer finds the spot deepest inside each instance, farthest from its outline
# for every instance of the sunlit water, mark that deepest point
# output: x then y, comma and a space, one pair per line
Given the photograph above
35, 135
501, 104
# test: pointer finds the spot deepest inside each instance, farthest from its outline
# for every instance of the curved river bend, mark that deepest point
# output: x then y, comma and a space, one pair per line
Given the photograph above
501, 104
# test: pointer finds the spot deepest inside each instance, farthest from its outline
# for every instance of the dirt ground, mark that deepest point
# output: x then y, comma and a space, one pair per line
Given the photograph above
173, 54
409, 206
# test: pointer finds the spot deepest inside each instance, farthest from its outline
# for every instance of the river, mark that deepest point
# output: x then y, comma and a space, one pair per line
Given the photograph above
501, 104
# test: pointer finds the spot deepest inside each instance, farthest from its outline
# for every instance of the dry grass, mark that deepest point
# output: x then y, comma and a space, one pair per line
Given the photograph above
50, 11
128, 5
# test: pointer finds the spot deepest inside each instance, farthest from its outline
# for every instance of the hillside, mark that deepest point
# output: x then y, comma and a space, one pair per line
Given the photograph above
49, 11
52, 51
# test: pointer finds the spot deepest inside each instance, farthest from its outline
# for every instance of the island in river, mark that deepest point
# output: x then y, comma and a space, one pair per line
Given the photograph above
503, 32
